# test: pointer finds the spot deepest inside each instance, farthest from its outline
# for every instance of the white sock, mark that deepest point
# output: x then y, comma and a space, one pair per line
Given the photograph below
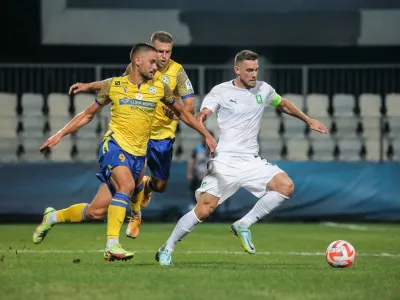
112, 242
182, 228
52, 218
262, 208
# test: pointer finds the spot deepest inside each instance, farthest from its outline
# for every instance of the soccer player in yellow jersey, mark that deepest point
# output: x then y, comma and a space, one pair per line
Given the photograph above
159, 152
122, 153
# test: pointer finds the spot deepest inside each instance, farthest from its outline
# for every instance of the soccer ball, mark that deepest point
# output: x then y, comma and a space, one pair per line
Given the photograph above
340, 254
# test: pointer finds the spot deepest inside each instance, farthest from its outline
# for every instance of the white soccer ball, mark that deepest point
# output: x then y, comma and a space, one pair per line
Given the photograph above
340, 254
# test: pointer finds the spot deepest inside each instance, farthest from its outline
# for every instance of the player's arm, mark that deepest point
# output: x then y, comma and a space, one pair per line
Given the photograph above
289, 108
93, 86
81, 119
210, 104
187, 118
185, 91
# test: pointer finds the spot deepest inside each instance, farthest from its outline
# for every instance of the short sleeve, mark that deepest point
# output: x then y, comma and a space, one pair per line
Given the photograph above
168, 95
273, 98
128, 70
213, 100
183, 85
103, 97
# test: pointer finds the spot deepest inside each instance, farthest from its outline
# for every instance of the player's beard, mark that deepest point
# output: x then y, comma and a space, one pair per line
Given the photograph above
147, 76
246, 84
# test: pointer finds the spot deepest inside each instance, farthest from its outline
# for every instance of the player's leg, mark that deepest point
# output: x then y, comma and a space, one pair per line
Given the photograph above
219, 185
205, 206
135, 220
272, 188
122, 180
159, 160
74, 214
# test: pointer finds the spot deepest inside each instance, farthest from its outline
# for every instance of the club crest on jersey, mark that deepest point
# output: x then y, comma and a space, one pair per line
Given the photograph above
125, 89
189, 86
139, 96
152, 90
259, 99
165, 79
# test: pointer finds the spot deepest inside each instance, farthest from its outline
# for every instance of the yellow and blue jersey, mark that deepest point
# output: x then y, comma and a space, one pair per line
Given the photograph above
133, 108
175, 77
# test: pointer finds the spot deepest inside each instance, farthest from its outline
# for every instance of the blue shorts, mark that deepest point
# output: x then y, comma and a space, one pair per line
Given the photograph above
112, 155
159, 157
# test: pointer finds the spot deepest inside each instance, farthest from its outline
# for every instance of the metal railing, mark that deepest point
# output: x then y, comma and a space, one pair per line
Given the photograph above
294, 79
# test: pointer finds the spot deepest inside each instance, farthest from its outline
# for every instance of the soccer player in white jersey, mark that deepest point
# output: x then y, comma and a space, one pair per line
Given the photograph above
239, 105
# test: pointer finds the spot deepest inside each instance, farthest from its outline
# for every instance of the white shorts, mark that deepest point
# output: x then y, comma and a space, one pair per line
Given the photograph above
226, 174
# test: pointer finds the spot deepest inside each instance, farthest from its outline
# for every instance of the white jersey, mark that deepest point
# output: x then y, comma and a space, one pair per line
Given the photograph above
239, 113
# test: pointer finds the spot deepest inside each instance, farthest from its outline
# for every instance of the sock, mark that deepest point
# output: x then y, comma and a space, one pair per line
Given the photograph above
112, 242
262, 208
182, 228
72, 214
136, 200
116, 215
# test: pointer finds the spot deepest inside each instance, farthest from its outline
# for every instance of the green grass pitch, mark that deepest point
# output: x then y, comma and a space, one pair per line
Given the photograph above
209, 264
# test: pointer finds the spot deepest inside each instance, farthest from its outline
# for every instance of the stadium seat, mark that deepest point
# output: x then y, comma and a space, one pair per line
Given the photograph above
394, 126
31, 146
58, 105
373, 149
343, 105
62, 152
346, 126
317, 105
350, 149
8, 115
270, 127
81, 102
371, 127
370, 105
33, 119
32, 104
8, 149
271, 148
396, 148
322, 148
296, 99
393, 104
87, 149
293, 127
298, 149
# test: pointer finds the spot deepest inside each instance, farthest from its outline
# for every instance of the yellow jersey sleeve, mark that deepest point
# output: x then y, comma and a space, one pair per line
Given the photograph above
103, 97
128, 70
183, 85
168, 98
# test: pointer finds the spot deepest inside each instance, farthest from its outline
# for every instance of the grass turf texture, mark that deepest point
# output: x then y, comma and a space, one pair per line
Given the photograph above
202, 270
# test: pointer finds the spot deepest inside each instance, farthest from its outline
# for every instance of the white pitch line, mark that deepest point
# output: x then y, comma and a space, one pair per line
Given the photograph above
201, 252
346, 226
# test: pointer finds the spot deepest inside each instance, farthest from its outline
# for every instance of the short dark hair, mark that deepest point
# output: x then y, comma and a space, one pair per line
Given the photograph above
161, 36
245, 55
141, 47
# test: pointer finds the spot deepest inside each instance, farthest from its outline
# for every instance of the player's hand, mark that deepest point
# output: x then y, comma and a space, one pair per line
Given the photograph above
169, 113
51, 142
317, 126
201, 118
211, 144
79, 87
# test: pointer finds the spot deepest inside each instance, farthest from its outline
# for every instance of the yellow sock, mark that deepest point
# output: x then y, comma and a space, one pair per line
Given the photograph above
73, 214
116, 214
137, 199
